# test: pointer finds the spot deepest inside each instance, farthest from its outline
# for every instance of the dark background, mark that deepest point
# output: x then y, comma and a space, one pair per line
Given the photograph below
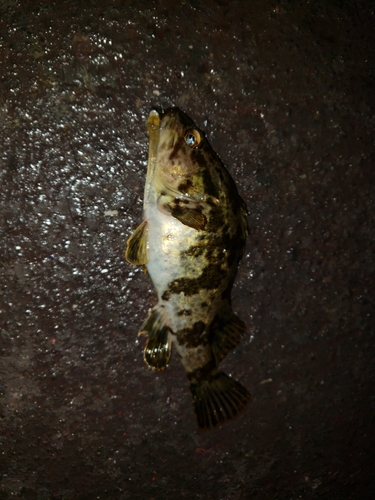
285, 92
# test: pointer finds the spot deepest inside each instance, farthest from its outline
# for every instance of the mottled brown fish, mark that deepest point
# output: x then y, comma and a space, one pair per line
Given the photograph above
191, 240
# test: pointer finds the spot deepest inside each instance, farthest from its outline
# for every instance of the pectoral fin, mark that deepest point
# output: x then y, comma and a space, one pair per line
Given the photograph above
189, 217
188, 212
158, 349
136, 247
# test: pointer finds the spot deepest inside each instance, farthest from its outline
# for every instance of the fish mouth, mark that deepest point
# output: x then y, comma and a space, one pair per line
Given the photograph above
153, 121
173, 118
159, 120
158, 109
153, 128
164, 128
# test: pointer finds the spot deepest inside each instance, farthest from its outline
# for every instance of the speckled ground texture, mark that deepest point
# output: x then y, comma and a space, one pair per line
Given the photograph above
285, 92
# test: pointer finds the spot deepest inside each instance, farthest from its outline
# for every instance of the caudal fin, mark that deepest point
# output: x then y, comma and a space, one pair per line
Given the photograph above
217, 399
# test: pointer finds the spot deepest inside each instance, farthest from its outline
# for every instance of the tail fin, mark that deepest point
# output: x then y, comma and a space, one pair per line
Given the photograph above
159, 344
217, 399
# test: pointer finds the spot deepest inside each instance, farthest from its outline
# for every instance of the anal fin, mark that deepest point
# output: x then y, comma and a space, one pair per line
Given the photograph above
218, 398
225, 333
136, 247
158, 348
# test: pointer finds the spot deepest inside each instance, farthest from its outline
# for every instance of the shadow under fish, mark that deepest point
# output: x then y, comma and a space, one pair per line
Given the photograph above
191, 241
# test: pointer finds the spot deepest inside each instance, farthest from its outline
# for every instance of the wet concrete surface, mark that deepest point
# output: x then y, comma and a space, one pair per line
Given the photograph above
285, 94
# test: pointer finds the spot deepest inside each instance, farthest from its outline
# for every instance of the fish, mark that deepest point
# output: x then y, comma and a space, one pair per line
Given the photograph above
191, 240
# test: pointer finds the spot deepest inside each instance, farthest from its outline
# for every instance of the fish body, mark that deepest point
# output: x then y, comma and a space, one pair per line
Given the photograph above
191, 240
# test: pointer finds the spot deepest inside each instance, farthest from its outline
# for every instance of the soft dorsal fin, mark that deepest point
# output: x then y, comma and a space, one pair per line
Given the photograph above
225, 333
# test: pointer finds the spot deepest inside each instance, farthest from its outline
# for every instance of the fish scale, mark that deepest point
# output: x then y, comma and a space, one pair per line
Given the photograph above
191, 241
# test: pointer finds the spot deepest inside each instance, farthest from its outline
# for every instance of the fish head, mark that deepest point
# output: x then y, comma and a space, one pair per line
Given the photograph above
181, 160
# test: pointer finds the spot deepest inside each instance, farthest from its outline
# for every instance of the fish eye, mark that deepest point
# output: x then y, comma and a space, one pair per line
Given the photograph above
193, 138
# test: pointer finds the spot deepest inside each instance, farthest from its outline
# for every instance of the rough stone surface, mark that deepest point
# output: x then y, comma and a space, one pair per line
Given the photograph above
285, 92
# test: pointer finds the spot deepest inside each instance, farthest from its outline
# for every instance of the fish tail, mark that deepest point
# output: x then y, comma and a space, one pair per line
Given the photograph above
218, 398
159, 344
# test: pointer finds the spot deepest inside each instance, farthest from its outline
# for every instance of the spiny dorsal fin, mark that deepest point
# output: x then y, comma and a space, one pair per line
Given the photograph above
225, 333
136, 247
217, 399
158, 349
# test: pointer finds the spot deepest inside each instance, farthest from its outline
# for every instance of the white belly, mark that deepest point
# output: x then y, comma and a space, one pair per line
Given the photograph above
167, 238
